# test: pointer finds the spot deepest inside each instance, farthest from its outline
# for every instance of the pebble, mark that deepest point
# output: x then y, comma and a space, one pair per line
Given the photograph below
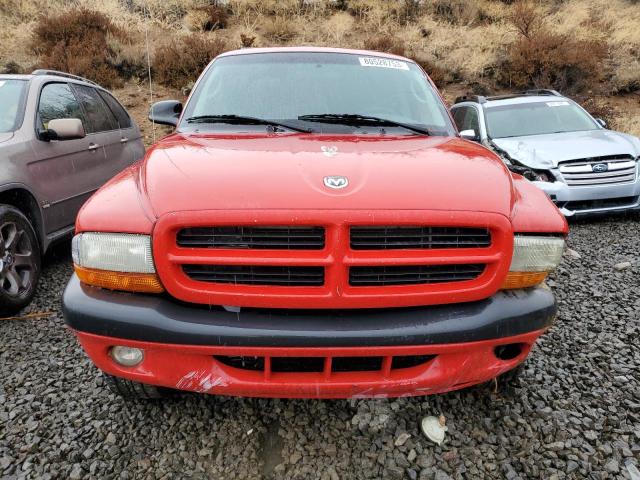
571, 413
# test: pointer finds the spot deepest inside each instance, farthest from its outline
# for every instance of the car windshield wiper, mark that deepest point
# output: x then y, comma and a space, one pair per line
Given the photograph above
356, 119
242, 120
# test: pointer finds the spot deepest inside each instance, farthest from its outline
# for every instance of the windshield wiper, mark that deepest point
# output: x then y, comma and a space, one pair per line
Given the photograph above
356, 119
242, 120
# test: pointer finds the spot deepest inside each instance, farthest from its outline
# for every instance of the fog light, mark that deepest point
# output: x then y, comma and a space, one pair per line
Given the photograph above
127, 356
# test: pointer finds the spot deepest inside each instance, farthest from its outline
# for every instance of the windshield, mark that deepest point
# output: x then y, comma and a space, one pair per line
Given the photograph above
287, 85
11, 92
537, 118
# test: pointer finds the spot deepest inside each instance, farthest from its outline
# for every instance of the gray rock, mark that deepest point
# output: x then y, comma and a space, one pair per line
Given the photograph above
622, 265
402, 439
76, 472
612, 466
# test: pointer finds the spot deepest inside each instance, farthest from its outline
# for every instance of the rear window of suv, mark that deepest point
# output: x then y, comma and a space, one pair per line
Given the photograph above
11, 99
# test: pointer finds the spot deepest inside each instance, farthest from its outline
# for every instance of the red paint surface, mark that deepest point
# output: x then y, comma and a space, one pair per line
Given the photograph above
277, 179
193, 368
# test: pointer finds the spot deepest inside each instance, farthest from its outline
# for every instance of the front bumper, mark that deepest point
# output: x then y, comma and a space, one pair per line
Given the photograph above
193, 348
592, 199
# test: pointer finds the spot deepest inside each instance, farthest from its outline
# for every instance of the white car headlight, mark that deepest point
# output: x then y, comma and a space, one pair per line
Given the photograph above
532, 253
534, 256
118, 261
118, 252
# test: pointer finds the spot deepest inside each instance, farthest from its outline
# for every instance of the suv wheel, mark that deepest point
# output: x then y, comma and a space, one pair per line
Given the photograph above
19, 261
133, 390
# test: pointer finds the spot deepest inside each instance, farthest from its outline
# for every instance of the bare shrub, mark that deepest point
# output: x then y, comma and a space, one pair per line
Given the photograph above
457, 12
385, 43
410, 11
78, 42
626, 77
181, 61
279, 29
338, 26
207, 18
554, 60
597, 108
542, 58
130, 60
11, 68
247, 40
526, 18
169, 13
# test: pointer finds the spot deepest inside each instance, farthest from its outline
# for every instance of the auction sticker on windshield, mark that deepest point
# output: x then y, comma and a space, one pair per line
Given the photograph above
383, 63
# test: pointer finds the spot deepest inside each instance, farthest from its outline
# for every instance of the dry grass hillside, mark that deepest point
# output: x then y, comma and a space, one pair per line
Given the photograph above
588, 49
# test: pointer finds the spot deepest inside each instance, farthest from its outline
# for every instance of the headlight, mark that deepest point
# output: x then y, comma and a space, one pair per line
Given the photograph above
533, 258
117, 261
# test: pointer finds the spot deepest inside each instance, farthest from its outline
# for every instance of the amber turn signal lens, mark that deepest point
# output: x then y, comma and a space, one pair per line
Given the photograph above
130, 282
523, 279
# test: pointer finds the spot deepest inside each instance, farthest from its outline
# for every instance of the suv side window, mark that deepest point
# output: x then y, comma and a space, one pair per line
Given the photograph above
466, 118
121, 114
58, 101
99, 117
458, 117
471, 121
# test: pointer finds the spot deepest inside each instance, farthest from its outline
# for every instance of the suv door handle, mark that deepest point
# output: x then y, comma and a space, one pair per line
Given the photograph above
124, 140
93, 146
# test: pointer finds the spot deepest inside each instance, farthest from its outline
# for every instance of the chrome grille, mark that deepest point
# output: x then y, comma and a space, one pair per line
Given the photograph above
609, 170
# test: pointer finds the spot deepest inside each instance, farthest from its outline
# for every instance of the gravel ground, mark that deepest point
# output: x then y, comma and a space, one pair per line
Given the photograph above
574, 413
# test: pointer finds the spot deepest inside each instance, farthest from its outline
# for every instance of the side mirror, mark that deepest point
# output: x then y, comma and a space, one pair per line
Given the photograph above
64, 129
601, 122
166, 112
470, 135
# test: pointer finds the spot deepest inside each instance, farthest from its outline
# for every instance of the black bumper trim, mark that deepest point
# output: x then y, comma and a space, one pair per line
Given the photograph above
159, 319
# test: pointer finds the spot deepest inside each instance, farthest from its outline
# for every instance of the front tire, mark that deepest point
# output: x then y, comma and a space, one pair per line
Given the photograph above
20, 258
131, 390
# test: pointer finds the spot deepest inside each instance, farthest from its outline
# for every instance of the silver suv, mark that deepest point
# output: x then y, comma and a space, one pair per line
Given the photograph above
61, 138
551, 140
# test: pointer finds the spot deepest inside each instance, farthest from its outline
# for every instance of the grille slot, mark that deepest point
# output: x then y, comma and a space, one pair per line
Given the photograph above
412, 274
619, 169
397, 237
578, 205
257, 275
249, 237
319, 364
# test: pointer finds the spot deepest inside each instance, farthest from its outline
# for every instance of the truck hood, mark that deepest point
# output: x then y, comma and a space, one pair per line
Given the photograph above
286, 171
546, 151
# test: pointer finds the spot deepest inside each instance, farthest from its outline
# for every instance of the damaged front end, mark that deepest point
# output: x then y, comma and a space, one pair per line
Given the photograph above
532, 173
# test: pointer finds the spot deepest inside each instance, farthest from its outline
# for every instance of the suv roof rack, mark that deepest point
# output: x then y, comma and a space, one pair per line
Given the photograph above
542, 91
525, 93
56, 73
471, 98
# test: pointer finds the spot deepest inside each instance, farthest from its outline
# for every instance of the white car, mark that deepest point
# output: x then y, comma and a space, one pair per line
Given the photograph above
551, 140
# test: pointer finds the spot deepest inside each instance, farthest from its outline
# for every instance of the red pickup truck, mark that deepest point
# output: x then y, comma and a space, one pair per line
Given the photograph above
314, 227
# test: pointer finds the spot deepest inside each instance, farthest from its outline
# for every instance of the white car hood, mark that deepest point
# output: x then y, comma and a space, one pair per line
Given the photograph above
546, 151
